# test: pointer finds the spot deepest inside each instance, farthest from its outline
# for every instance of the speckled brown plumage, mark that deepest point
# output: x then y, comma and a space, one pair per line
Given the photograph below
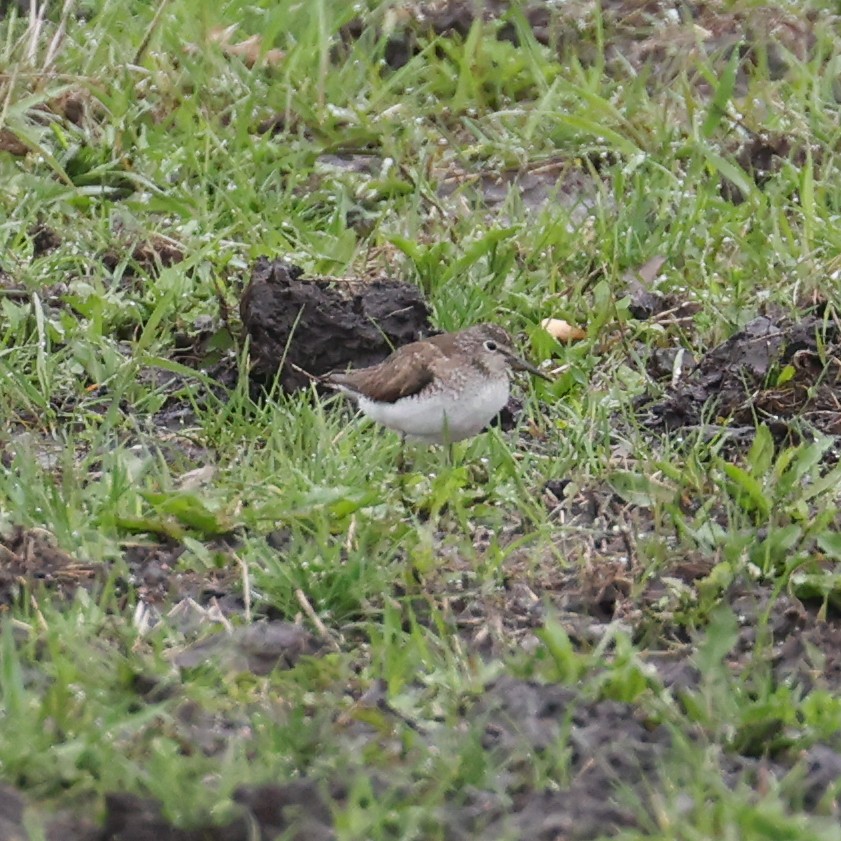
439, 389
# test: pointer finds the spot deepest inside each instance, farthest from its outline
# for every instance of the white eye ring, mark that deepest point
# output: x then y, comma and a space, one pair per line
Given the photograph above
490, 345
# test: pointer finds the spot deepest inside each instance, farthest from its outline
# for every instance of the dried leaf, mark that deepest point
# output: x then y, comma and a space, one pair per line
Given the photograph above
648, 271
250, 50
645, 303
563, 331
194, 479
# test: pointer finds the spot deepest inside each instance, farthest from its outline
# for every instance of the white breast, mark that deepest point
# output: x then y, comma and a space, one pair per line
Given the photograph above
442, 416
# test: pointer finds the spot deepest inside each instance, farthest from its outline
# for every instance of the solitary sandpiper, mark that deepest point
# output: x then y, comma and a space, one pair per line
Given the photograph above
438, 390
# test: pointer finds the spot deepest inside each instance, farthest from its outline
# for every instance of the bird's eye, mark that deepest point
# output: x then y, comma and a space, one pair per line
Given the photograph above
490, 345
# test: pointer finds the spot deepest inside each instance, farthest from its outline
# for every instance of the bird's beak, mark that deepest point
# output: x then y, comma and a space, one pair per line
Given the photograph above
520, 364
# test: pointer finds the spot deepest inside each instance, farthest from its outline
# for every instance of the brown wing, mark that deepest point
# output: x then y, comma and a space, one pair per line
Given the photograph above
406, 372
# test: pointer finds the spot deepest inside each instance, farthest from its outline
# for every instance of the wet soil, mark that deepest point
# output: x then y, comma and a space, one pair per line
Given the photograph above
780, 371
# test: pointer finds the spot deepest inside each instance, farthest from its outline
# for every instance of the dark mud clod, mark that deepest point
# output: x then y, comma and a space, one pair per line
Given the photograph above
312, 326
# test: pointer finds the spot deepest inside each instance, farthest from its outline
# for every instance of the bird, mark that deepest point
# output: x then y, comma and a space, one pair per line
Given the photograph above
441, 389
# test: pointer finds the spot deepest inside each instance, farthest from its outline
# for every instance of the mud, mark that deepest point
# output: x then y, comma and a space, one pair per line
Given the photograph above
30, 561
776, 370
302, 328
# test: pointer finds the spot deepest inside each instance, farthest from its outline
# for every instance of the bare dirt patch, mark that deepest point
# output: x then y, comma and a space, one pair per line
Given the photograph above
258, 648
669, 36
154, 573
295, 810
763, 156
555, 183
775, 370
29, 559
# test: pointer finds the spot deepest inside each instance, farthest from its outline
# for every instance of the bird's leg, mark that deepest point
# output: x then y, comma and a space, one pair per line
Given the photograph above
446, 440
401, 474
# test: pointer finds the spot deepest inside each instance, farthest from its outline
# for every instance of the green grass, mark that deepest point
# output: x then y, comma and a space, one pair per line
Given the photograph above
167, 146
